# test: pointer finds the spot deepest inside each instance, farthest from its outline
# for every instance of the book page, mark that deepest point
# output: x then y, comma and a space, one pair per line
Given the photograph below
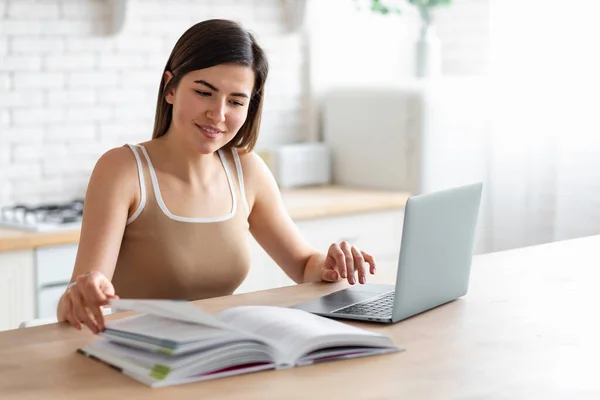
166, 333
177, 310
171, 327
295, 332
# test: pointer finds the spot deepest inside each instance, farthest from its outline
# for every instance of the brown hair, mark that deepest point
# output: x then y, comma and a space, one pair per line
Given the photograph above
210, 43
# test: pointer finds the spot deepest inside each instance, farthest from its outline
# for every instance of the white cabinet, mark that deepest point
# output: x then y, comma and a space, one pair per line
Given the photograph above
377, 233
32, 281
47, 301
53, 269
17, 292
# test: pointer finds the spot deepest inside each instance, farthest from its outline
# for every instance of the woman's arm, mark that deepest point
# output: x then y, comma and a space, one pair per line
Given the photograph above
274, 230
112, 194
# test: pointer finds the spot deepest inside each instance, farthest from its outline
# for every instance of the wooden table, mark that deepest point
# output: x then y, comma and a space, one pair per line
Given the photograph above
528, 329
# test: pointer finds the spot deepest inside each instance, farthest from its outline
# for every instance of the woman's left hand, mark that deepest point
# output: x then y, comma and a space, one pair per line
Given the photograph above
345, 261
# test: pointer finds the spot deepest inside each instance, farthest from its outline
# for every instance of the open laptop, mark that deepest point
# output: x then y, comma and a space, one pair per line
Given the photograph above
433, 268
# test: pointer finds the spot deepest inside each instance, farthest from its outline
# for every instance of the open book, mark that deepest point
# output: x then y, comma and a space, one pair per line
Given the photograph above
175, 342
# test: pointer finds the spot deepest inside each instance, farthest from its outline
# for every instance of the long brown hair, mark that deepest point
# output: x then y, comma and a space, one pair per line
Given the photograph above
206, 44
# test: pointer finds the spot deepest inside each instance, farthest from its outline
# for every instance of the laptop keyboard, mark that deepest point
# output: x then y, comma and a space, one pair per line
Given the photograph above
377, 307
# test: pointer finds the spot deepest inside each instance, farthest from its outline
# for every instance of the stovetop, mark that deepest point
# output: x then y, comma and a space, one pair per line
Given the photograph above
43, 217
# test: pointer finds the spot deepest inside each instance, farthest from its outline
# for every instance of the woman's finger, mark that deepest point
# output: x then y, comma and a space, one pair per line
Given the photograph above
371, 260
359, 265
94, 300
79, 309
349, 259
340, 260
330, 275
92, 317
96, 313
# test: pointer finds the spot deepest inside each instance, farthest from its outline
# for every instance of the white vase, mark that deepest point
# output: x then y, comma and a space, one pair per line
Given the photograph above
428, 53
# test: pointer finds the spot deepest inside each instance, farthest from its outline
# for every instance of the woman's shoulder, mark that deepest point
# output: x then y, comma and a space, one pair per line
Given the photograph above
258, 179
253, 165
118, 162
114, 181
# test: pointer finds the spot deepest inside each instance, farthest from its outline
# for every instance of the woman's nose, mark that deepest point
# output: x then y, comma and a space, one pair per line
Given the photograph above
216, 112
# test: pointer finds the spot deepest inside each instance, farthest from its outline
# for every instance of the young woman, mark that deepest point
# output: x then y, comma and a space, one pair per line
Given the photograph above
169, 218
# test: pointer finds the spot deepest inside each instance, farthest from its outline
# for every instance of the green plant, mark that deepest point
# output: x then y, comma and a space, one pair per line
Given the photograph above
424, 6
379, 6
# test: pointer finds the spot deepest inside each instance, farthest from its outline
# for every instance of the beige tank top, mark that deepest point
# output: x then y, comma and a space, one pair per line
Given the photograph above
165, 256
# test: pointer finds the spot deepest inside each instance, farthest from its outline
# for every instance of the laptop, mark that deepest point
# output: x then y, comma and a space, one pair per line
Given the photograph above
434, 266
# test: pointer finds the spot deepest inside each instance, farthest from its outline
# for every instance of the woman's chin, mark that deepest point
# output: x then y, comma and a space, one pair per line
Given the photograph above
207, 148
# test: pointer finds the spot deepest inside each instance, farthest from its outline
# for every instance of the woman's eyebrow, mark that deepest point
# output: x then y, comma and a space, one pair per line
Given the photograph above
213, 87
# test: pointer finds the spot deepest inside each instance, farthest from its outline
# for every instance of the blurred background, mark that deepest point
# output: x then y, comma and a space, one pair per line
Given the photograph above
402, 96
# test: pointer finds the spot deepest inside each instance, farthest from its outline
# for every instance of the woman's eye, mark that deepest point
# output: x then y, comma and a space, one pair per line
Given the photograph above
236, 103
201, 93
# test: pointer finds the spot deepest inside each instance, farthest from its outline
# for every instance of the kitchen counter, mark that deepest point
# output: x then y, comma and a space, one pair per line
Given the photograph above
302, 204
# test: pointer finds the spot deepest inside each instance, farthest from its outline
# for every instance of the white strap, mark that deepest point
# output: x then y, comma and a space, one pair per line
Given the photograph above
142, 186
240, 174
167, 212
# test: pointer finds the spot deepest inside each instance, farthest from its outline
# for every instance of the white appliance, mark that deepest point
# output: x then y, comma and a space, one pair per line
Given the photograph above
299, 164
53, 264
421, 135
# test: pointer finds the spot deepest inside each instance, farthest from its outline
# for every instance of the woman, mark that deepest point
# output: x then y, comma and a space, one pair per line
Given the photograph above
169, 218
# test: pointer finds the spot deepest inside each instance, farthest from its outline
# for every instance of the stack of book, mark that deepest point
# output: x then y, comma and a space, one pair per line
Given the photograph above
174, 342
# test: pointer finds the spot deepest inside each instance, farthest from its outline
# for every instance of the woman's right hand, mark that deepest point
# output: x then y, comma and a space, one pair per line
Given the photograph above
83, 300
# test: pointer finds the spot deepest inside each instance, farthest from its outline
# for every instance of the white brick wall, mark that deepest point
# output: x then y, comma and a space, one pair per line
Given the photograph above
70, 89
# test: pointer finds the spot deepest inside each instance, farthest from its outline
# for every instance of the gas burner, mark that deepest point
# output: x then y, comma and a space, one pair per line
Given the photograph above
43, 217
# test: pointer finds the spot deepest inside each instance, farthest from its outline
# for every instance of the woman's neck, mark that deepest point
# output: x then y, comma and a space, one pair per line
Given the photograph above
185, 163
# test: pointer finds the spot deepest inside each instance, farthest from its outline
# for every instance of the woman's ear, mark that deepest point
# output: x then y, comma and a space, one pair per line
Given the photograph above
171, 93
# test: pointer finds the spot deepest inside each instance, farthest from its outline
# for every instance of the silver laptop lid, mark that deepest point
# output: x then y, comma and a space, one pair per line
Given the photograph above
437, 248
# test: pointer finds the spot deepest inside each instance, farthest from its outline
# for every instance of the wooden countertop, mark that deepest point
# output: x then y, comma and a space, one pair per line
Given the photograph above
331, 201
302, 204
525, 330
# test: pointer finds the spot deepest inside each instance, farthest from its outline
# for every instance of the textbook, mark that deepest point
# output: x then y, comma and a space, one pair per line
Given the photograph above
169, 342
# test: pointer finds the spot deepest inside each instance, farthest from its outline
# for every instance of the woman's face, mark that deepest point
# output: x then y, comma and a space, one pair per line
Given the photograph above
210, 105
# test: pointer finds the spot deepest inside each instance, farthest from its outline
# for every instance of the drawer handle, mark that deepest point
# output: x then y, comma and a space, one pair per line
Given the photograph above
55, 285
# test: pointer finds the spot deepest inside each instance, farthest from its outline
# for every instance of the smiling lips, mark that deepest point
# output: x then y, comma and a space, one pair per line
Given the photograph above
209, 131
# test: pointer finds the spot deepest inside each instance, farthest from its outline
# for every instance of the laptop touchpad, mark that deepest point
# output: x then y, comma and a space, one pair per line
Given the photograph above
345, 297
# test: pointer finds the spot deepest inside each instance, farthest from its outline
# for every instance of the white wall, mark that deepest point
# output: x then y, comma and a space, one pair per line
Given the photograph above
350, 45
545, 157
70, 90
